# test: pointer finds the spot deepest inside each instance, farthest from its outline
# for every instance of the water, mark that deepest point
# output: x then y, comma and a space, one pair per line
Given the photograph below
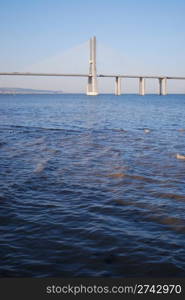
91, 186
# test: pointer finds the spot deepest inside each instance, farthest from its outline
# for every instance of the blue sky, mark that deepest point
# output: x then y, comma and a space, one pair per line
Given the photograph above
148, 35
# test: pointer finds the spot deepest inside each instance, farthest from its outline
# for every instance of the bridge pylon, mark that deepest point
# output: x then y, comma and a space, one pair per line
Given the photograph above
92, 89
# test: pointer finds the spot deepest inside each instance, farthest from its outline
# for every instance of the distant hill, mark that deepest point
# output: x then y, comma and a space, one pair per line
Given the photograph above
10, 90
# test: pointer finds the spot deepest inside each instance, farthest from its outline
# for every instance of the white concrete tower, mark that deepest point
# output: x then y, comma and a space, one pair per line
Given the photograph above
162, 86
118, 86
92, 79
141, 86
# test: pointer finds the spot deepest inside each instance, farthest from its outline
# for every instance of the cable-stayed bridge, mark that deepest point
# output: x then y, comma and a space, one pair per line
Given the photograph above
92, 76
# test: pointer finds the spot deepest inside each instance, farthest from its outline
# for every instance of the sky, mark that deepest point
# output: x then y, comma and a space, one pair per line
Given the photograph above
133, 37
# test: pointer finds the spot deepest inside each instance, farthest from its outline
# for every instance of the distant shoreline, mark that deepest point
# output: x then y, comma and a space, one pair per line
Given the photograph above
18, 91
33, 93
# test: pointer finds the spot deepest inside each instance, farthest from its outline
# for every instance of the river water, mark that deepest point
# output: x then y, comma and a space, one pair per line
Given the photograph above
92, 186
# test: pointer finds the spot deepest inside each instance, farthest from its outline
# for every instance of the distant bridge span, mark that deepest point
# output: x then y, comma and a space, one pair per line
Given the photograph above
92, 76
87, 75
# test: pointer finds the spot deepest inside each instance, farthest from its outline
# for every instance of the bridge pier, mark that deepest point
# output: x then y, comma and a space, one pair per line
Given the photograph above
118, 86
92, 78
162, 86
142, 86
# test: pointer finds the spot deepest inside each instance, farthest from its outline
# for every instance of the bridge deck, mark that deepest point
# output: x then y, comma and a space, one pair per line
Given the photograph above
87, 75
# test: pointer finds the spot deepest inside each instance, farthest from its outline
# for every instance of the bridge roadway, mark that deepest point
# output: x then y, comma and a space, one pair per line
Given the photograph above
118, 77
87, 75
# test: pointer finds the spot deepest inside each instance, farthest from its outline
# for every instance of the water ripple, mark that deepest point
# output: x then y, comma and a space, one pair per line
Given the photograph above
92, 192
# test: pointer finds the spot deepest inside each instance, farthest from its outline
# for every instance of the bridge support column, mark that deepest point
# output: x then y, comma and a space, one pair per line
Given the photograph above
92, 79
141, 86
162, 86
118, 86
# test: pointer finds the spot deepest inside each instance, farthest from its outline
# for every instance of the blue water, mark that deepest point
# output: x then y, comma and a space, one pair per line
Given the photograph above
92, 186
